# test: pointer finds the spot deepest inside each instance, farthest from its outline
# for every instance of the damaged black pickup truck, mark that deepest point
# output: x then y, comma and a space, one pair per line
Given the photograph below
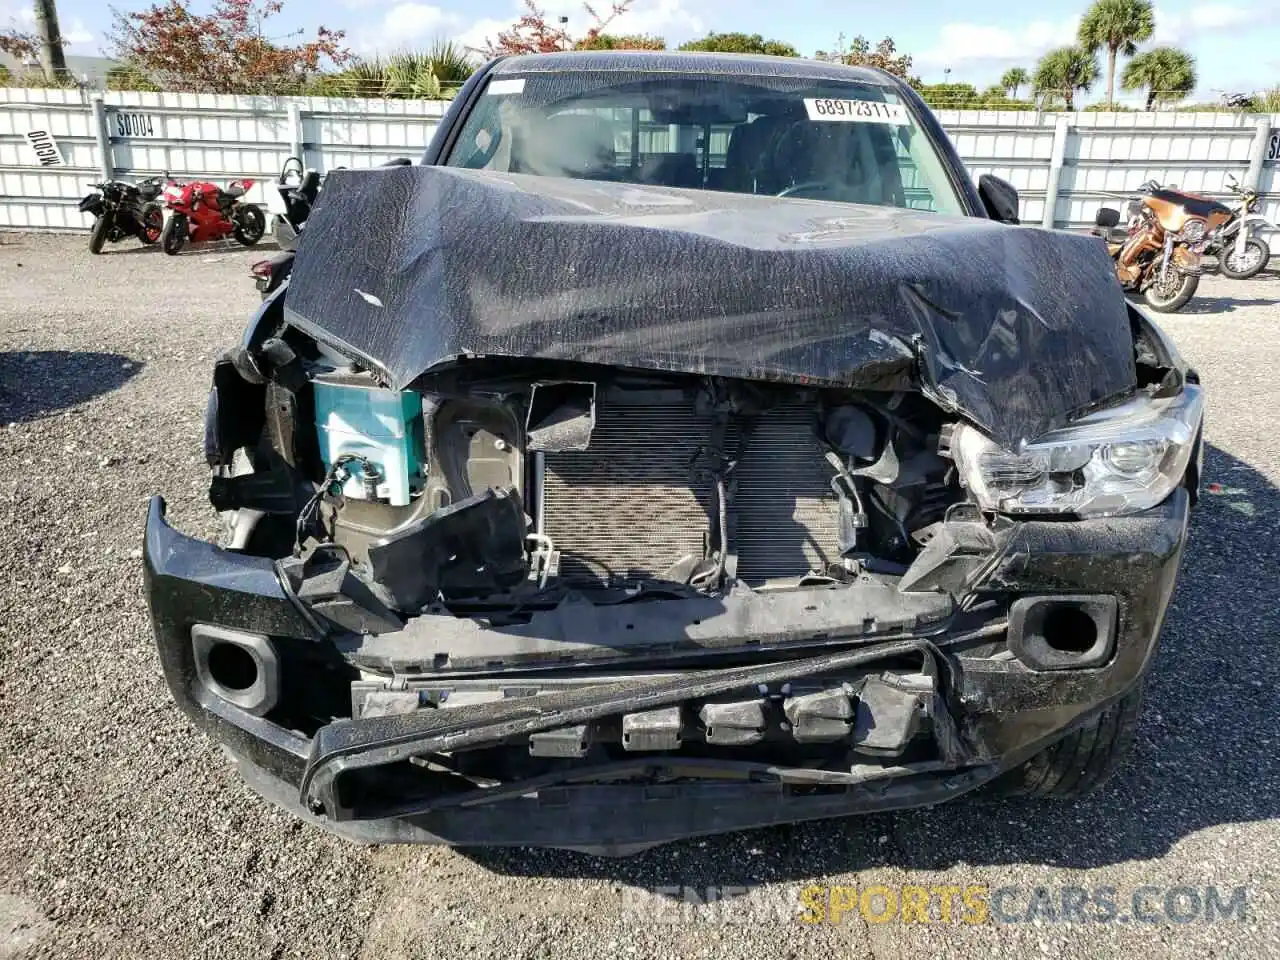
682, 447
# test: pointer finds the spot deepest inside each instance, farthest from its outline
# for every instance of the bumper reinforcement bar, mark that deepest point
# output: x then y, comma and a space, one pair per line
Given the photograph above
349, 746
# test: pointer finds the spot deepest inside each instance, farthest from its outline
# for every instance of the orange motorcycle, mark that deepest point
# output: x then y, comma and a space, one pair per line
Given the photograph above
1158, 253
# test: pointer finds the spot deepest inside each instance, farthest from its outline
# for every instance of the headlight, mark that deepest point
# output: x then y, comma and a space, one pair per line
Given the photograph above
1192, 231
1115, 461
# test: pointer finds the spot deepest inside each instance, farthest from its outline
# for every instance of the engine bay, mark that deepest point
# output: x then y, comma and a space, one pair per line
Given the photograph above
500, 485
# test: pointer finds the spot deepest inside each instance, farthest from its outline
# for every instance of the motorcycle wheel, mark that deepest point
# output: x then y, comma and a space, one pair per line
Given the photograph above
1173, 294
98, 235
174, 234
251, 224
152, 224
1242, 266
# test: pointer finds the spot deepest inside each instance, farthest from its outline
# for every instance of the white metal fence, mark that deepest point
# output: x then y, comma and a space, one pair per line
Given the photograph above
1064, 165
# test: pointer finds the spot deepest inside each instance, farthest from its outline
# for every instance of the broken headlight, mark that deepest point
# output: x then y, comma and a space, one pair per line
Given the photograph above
1115, 461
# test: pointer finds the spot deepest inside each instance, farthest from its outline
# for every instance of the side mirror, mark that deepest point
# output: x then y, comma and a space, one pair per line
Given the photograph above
1107, 217
999, 197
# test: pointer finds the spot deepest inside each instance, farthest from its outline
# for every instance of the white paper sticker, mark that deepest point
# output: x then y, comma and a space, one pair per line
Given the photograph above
857, 111
44, 149
499, 88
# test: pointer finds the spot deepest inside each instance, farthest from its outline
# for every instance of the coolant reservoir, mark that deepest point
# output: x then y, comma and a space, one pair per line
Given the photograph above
384, 427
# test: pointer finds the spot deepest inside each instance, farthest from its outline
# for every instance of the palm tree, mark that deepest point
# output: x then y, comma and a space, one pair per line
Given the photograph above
1167, 73
1013, 78
1119, 26
433, 74
450, 63
1060, 73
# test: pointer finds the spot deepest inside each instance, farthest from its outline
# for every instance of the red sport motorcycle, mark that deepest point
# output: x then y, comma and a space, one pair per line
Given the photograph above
200, 211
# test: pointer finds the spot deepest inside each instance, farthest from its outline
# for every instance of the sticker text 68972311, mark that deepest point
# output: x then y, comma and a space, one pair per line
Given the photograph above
857, 111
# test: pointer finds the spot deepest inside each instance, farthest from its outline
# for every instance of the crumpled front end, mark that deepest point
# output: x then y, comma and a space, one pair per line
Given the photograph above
377, 738
548, 602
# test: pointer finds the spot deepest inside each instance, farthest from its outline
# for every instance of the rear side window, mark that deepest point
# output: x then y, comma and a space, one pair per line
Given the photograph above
821, 140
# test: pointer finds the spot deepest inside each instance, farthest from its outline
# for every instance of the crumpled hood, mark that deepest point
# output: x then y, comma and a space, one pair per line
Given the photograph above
410, 268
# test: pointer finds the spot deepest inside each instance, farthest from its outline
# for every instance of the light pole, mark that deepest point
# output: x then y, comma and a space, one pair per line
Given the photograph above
564, 30
51, 55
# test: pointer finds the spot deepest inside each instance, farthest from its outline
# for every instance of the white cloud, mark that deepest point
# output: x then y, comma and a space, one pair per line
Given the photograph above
1175, 28
14, 15
79, 39
405, 26
78, 35
970, 43
480, 34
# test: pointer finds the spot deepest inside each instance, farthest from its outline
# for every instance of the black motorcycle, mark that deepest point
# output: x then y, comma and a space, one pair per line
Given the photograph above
296, 190
290, 204
122, 210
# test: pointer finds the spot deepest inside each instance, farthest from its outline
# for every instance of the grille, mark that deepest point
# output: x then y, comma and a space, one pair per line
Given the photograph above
630, 505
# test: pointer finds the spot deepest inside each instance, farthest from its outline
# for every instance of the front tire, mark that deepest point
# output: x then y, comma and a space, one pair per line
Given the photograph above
174, 234
1173, 294
251, 224
1083, 760
98, 235
1247, 264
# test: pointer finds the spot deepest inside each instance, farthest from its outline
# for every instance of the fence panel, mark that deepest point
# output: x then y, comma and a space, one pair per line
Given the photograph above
36, 197
222, 137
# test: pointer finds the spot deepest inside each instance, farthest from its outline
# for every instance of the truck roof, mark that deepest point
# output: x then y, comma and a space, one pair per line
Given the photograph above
667, 61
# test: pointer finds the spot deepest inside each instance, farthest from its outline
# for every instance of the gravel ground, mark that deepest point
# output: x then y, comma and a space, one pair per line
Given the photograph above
123, 834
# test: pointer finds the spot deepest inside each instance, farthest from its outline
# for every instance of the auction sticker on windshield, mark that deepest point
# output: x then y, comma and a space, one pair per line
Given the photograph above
857, 111
502, 88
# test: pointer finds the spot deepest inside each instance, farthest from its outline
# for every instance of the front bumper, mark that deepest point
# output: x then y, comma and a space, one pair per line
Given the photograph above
994, 709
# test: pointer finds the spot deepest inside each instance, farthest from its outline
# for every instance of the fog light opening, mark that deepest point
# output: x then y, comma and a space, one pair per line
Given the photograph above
240, 668
232, 667
1069, 629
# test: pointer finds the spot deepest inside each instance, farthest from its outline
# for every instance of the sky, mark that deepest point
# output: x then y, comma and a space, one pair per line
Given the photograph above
1236, 43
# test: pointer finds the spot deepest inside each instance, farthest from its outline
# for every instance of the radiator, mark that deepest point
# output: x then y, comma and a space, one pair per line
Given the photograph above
788, 517
632, 504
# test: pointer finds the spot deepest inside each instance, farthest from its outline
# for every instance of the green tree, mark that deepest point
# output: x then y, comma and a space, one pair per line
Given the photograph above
1167, 73
965, 96
1117, 26
449, 63
126, 76
741, 43
621, 41
433, 74
1014, 78
949, 96
1060, 73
